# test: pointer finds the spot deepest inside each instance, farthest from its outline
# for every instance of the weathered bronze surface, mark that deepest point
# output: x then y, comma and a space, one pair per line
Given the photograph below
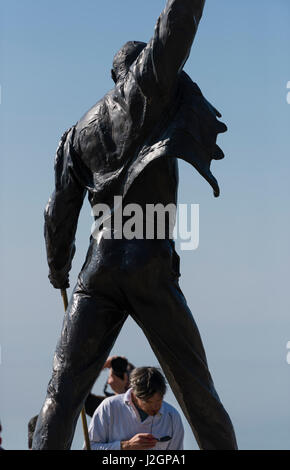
128, 144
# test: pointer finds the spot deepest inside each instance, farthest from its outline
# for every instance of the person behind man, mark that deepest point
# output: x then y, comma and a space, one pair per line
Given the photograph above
118, 379
119, 372
139, 419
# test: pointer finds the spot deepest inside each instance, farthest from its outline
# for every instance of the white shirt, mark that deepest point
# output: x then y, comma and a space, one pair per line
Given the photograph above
116, 419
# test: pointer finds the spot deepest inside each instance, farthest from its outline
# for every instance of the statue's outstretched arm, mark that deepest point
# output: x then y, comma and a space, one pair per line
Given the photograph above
61, 217
168, 50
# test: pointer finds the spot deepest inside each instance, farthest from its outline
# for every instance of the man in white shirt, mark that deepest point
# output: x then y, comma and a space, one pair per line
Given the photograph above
138, 419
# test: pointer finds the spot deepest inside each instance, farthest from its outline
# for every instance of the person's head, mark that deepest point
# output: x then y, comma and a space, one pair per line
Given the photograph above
148, 389
125, 58
119, 380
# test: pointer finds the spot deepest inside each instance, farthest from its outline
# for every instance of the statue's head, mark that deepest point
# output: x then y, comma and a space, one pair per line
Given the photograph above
125, 58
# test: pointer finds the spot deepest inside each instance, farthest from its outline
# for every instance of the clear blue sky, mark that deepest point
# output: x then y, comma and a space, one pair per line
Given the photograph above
55, 64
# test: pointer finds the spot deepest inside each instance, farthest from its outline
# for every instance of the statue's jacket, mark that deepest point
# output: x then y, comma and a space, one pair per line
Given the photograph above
156, 111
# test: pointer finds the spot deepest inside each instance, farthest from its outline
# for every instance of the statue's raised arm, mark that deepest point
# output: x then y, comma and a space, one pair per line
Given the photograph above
169, 48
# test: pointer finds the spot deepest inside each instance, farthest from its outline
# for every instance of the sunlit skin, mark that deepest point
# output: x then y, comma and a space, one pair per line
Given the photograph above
151, 406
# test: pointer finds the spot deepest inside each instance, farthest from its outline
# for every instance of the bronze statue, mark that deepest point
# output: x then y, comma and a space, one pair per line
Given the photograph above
127, 145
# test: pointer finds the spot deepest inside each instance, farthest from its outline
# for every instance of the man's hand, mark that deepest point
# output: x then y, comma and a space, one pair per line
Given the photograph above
108, 362
117, 385
139, 442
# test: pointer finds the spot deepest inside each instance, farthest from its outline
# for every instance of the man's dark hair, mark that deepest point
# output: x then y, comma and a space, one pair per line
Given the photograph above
146, 381
125, 58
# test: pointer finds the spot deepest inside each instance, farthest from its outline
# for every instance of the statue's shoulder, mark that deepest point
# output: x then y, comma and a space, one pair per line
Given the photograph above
97, 113
92, 131
97, 122
94, 114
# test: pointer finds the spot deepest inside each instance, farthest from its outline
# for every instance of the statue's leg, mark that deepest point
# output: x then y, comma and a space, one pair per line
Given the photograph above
91, 325
159, 307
